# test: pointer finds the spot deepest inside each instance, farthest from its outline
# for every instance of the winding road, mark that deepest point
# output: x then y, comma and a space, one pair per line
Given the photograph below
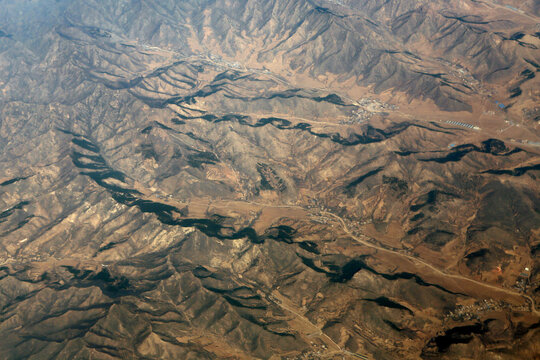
417, 261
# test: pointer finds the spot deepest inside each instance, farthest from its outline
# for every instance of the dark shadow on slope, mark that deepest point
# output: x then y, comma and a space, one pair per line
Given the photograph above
491, 146
519, 171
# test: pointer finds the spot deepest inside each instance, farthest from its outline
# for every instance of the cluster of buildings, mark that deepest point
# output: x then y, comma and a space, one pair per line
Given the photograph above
357, 117
367, 107
473, 312
319, 219
466, 77
522, 280
375, 105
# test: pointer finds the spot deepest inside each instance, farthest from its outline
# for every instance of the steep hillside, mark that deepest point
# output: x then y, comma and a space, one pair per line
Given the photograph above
269, 179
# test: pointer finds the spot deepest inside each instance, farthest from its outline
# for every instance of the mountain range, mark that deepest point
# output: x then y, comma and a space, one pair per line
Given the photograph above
271, 179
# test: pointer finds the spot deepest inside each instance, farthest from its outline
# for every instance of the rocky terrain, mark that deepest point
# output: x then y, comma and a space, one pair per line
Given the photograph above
269, 179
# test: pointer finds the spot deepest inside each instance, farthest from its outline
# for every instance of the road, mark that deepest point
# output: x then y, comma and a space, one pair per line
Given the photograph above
281, 301
434, 269
416, 260
413, 259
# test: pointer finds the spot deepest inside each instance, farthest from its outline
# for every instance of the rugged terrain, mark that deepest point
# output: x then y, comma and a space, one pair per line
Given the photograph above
269, 179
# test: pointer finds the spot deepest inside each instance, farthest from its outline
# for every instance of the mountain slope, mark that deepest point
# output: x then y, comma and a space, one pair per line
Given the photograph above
277, 179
